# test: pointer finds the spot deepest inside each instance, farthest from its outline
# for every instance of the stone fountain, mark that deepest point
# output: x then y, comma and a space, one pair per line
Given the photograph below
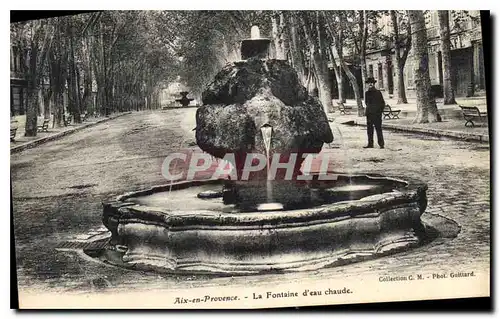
248, 223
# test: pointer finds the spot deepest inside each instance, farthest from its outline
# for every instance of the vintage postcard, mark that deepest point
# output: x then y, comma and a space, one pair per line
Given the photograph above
244, 159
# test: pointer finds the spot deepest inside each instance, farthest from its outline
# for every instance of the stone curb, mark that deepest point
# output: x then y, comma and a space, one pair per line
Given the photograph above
31, 144
482, 138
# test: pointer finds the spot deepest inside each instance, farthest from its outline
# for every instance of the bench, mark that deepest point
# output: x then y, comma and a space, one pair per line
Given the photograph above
390, 113
344, 109
13, 131
45, 126
472, 113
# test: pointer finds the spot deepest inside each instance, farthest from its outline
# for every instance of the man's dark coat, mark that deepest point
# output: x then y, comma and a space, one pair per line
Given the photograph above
374, 103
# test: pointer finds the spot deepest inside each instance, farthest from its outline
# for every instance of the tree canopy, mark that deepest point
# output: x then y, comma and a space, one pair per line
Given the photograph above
127, 57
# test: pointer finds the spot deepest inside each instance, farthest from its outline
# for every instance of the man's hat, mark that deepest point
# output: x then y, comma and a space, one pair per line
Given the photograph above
370, 80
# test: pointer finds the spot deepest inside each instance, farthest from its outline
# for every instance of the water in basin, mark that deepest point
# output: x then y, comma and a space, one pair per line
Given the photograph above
318, 193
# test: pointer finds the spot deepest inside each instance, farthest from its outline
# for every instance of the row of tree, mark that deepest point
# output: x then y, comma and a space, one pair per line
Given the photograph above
127, 57
121, 55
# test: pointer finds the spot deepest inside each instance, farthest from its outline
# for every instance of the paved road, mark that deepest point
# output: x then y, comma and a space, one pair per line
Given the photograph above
58, 189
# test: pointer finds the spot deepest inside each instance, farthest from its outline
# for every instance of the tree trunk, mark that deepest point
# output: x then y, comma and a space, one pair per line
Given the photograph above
340, 52
319, 65
97, 74
285, 40
399, 61
277, 35
444, 33
295, 49
55, 82
103, 88
400, 79
354, 84
59, 69
36, 64
345, 67
32, 96
47, 94
32, 101
426, 104
88, 98
323, 85
79, 93
74, 101
338, 74
364, 72
59, 109
110, 84
87, 79
310, 83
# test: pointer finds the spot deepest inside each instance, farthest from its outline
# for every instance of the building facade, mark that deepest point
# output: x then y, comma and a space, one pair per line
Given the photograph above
467, 60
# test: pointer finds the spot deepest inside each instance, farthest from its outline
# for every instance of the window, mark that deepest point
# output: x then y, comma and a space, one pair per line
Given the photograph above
16, 59
370, 70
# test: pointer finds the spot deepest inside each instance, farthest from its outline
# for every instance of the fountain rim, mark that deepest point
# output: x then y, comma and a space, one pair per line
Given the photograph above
414, 190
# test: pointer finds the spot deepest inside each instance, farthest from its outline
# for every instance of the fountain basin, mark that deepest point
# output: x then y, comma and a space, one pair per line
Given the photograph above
184, 100
169, 229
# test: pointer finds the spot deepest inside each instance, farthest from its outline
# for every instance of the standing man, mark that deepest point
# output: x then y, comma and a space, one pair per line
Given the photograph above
375, 104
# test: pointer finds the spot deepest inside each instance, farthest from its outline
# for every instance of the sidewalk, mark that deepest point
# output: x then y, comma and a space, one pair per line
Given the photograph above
22, 142
449, 128
452, 126
446, 111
